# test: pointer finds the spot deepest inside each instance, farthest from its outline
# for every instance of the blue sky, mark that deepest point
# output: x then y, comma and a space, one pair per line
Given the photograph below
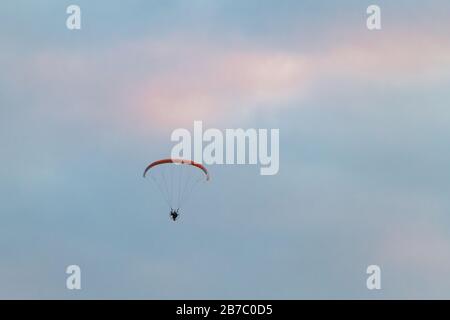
364, 129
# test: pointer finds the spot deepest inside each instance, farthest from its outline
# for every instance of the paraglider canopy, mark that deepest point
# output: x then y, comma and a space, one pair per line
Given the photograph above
177, 161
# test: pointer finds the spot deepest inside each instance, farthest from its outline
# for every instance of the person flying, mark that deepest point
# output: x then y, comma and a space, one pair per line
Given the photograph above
174, 214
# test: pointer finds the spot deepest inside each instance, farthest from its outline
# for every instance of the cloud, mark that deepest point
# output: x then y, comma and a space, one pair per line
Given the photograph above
419, 246
218, 85
150, 84
215, 84
392, 58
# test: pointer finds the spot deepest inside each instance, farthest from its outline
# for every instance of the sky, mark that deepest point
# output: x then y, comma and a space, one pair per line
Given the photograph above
364, 124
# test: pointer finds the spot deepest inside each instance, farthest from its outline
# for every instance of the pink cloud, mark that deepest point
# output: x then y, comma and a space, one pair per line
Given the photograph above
213, 87
146, 85
418, 246
390, 57
216, 84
